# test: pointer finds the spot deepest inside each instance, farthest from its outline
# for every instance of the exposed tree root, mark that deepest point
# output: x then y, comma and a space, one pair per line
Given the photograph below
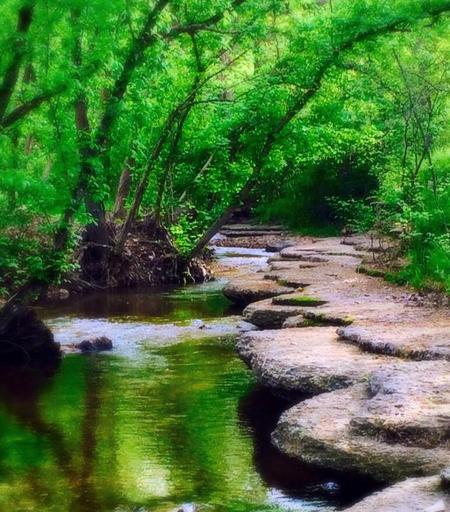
149, 258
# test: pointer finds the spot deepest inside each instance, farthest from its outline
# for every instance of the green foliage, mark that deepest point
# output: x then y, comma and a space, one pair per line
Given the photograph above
355, 215
325, 109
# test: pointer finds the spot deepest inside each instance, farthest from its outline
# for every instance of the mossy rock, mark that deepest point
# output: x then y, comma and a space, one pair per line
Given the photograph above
371, 272
298, 300
326, 319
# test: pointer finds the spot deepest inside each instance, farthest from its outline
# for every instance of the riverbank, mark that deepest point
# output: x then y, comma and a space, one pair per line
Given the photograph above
371, 359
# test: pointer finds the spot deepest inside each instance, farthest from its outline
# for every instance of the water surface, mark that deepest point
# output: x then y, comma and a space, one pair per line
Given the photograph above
171, 417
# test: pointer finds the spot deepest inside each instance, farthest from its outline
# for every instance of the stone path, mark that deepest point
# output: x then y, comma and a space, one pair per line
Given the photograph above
375, 364
412, 495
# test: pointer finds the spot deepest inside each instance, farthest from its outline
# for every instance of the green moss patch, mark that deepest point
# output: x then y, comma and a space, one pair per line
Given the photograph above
298, 300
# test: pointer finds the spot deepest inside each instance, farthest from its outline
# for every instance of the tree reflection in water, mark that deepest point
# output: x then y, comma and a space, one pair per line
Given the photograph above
170, 425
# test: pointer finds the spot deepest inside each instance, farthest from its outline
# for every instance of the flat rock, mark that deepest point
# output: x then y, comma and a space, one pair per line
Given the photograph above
294, 321
291, 279
319, 431
249, 233
411, 495
307, 360
279, 246
243, 291
265, 314
293, 253
417, 342
251, 227
409, 404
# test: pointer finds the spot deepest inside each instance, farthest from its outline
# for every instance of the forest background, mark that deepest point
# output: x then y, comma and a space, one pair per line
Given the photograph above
322, 115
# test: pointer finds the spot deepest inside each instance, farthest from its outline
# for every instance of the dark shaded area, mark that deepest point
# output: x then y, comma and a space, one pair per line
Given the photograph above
25, 339
95, 345
143, 303
260, 411
148, 258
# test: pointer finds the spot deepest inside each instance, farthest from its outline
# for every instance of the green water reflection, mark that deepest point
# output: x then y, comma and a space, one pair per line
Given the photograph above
110, 433
163, 425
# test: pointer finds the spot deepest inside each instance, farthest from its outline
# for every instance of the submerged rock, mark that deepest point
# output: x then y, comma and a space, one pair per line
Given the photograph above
95, 345
198, 324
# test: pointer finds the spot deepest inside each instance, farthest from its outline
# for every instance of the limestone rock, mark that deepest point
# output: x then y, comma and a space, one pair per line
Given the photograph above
319, 431
279, 246
409, 404
265, 314
244, 291
306, 360
417, 342
294, 321
411, 495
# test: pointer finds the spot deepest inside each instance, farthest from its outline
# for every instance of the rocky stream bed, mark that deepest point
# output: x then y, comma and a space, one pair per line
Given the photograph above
367, 362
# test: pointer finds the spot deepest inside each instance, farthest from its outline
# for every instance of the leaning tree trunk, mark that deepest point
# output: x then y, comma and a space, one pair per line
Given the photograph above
11, 75
123, 190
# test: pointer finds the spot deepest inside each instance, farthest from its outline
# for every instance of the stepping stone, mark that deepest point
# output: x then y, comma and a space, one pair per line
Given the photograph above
292, 279
319, 431
246, 290
294, 253
409, 404
413, 342
265, 314
267, 228
237, 234
411, 495
279, 246
307, 360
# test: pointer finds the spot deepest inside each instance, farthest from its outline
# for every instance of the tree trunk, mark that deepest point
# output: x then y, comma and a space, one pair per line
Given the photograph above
11, 75
123, 190
215, 227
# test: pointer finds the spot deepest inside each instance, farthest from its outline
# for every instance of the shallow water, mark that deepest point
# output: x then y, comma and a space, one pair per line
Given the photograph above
171, 417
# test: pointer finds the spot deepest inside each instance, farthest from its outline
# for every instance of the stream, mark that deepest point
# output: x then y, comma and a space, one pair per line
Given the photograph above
171, 419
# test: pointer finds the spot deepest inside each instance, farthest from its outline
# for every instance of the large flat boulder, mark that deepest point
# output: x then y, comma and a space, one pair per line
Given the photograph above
411, 495
243, 291
306, 360
246, 228
319, 431
267, 315
419, 342
409, 404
